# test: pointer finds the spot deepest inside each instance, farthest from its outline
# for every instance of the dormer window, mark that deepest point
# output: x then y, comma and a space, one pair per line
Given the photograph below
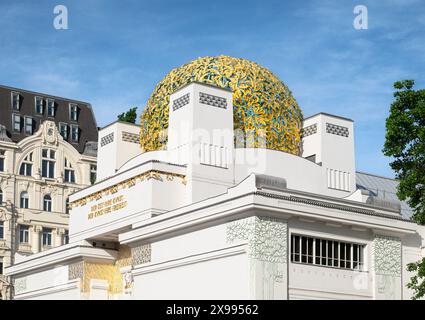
73, 112
74, 133
63, 130
51, 107
39, 105
28, 125
16, 119
16, 101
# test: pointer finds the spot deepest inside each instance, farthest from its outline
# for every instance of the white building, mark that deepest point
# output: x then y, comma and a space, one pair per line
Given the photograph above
40, 167
203, 219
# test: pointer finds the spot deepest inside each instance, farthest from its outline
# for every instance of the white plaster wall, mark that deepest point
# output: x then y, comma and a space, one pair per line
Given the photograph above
300, 174
142, 197
224, 278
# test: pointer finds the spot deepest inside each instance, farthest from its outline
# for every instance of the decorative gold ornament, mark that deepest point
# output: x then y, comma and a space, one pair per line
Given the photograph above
265, 113
148, 175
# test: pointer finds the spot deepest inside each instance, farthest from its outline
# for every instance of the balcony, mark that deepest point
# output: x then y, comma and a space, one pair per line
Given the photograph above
25, 248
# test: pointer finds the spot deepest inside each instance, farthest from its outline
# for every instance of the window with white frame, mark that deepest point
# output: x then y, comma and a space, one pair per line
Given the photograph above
63, 130
47, 203
93, 173
16, 119
67, 205
74, 133
1, 229
48, 163
73, 112
1, 196
66, 237
329, 253
39, 105
24, 233
1, 265
47, 237
26, 166
69, 175
24, 200
16, 101
51, 111
2, 157
28, 125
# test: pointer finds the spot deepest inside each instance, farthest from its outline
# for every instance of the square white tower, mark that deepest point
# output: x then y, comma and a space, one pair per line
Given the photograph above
200, 135
328, 140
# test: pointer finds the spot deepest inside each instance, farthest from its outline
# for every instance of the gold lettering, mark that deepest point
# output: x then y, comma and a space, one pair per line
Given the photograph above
106, 207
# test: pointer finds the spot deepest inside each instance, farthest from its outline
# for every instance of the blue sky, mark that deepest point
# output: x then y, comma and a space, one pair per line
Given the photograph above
114, 52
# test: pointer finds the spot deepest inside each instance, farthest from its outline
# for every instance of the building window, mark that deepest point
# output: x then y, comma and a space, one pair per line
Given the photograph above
51, 107
23, 234
63, 129
28, 125
74, 133
66, 237
73, 112
67, 206
47, 237
93, 172
24, 203
48, 163
47, 203
1, 229
39, 105
1, 265
26, 166
16, 119
69, 172
329, 253
16, 101
1, 196
2, 152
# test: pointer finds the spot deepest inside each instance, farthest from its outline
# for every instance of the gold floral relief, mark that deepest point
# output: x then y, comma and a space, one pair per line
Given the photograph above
109, 272
264, 109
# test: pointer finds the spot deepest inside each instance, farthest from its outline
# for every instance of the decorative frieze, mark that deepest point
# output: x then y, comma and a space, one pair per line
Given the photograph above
20, 285
141, 254
181, 102
109, 138
337, 130
76, 270
387, 256
310, 130
148, 175
211, 100
130, 137
267, 237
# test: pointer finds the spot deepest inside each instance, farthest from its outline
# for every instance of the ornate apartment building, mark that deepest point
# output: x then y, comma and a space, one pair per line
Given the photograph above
48, 148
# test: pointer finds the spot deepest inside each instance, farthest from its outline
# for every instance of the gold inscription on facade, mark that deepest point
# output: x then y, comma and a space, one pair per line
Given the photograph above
107, 207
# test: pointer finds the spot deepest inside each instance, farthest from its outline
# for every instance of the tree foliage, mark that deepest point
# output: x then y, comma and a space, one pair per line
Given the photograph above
405, 143
129, 116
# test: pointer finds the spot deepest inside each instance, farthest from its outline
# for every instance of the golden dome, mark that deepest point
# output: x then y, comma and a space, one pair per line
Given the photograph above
263, 106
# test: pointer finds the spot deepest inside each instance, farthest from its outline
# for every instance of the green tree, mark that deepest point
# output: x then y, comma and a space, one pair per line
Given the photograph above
129, 116
405, 143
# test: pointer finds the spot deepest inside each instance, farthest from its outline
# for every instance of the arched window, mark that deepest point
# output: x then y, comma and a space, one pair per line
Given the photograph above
1, 196
47, 203
26, 166
24, 200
